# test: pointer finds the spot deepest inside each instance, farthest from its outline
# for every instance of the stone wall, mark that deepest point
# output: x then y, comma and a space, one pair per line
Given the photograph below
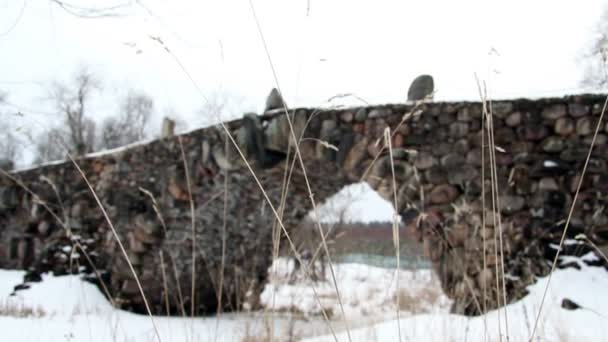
437, 159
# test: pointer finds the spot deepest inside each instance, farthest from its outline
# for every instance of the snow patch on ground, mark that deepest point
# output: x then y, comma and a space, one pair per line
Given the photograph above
69, 309
365, 291
586, 287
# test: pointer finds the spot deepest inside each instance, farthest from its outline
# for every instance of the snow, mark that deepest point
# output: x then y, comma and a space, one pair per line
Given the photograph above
69, 309
365, 291
355, 203
586, 287
549, 163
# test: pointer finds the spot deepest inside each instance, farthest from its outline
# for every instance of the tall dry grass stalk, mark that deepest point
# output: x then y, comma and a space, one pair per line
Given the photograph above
387, 139
301, 161
496, 218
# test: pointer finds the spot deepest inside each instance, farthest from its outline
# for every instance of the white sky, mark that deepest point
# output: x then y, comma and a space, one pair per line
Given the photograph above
371, 48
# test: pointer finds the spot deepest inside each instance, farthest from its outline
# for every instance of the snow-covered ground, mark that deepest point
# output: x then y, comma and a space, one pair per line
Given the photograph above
586, 287
68, 309
366, 292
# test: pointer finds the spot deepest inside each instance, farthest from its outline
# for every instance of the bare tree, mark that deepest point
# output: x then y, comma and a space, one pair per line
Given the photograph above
71, 102
9, 145
49, 146
130, 126
90, 12
596, 57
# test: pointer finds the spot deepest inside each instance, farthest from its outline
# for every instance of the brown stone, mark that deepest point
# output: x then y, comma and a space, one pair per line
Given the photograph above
585, 125
443, 194
554, 112
373, 148
486, 279
356, 154
513, 119
564, 126
398, 140
533, 133
135, 245
424, 161
178, 192
359, 128
457, 234
546, 184
404, 129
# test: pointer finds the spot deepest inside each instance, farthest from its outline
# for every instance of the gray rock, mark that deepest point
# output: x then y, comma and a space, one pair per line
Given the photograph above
443, 194
274, 101
459, 129
421, 87
564, 126
462, 175
347, 117
601, 139
436, 175
502, 109
361, 115
577, 110
377, 113
547, 183
510, 204
585, 125
553, 144
468, 113
513, 119
452, 160
446, 118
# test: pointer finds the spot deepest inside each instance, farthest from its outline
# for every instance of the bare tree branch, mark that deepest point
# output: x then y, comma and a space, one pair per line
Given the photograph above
71, 102
130, 125
93, 12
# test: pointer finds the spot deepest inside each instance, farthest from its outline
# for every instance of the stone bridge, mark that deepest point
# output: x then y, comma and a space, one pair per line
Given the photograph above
50, 221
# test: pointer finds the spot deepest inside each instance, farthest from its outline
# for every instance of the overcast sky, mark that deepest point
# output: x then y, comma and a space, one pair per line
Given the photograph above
319, 49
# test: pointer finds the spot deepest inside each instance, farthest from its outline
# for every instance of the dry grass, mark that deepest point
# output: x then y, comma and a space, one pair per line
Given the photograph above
19, 310
416, 301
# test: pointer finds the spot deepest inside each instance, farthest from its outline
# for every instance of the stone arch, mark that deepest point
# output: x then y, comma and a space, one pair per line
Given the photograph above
437, 158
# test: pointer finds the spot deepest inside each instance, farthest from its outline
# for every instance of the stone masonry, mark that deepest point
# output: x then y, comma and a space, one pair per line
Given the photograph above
437, 161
